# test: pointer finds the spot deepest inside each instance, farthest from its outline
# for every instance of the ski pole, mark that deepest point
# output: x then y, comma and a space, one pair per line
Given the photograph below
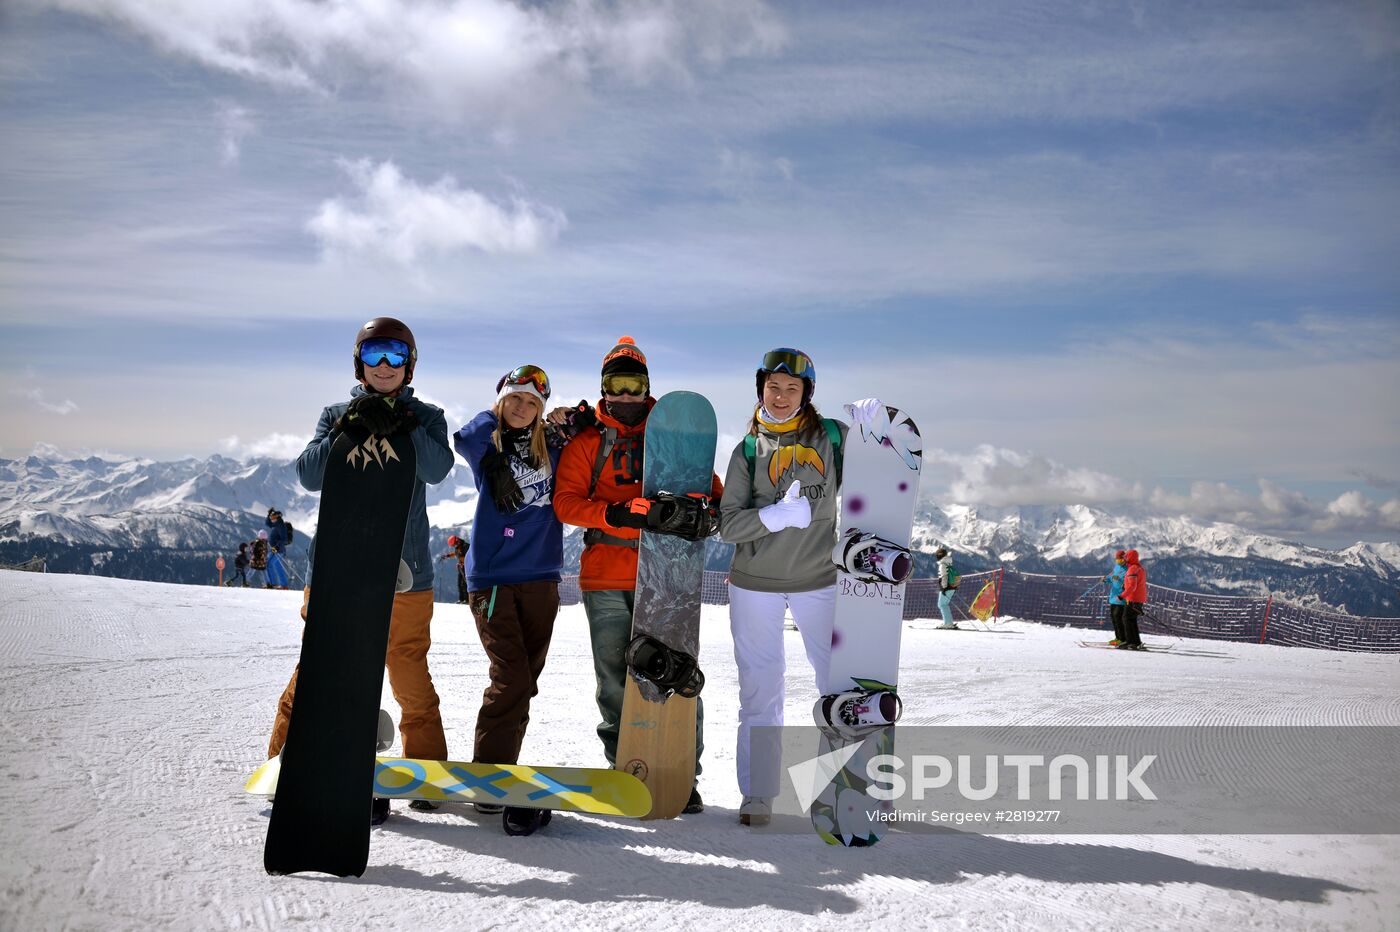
1170, 630
967, 611
1098, 582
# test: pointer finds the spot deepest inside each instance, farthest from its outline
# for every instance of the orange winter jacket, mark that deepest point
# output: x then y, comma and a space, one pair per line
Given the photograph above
1135, 580
605, 565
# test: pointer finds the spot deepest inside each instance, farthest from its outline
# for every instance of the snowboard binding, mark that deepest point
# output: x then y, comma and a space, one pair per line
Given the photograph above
872, 559
857, 713
691, 516
671, 670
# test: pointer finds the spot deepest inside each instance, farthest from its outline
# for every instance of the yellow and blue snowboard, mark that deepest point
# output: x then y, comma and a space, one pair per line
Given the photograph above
569, 789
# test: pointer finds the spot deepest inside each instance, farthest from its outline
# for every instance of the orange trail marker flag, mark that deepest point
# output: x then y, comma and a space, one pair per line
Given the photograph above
986, 602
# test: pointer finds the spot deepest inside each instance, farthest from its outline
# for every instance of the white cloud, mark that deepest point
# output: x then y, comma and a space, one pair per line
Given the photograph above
992, 476
1001, 477
36, 395
465, 57
397, 219
236, 124
273, 446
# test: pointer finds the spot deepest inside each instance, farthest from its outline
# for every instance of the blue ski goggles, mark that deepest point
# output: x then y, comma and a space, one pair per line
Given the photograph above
793, 362
395, 352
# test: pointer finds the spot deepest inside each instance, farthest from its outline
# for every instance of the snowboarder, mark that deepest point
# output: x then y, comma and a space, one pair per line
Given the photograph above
513, 564
383, 402
458, 548
779, 510
597, 489
947, 586
1135, 597
240, 566
1114, 581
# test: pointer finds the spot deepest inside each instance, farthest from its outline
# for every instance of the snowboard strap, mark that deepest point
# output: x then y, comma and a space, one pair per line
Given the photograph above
595, 535
833, 433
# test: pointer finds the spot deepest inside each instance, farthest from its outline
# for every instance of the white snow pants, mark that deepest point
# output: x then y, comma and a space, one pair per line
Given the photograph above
756, 623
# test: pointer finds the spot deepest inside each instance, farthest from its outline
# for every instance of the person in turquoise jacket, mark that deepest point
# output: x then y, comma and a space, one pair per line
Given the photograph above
1114, 581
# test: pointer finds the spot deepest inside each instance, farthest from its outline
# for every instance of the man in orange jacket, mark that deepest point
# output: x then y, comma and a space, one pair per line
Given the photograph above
598, 487
1135, 597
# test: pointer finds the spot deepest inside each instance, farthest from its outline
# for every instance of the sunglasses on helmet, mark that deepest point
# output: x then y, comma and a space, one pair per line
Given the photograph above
526, 375
395, 352
625, 383
791, 361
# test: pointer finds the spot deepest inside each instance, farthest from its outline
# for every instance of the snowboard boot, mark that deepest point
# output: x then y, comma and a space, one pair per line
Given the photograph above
379, 811
755, 810
694, 804
857, 713
520, 821
667, 668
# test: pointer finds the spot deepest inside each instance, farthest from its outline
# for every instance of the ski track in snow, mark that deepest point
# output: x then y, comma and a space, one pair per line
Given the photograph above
134, 712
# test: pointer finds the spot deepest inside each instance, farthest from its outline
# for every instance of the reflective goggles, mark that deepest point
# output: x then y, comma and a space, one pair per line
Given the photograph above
527, 375
793, 362
395, 352
625, 383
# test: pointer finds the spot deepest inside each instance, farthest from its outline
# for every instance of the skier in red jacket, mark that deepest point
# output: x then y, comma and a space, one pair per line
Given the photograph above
1135, 595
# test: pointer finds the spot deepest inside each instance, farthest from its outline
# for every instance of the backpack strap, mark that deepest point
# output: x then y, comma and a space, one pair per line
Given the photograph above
605, 446
595, 535
833, 433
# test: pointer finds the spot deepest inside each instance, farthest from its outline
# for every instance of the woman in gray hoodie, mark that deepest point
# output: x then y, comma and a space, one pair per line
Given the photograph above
779, 510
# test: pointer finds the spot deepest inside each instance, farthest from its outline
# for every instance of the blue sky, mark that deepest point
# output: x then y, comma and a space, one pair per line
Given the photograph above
1129, 255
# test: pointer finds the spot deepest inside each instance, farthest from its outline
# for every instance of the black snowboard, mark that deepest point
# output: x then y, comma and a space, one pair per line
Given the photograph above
321, 814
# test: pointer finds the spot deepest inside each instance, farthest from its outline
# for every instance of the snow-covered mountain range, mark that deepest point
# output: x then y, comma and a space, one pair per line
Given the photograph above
167, 521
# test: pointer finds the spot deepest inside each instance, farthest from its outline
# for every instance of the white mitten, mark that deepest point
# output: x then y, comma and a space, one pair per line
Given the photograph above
792, 510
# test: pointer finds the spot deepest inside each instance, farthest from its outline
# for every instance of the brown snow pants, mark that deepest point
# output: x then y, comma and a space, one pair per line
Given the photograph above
420, 724
515, 623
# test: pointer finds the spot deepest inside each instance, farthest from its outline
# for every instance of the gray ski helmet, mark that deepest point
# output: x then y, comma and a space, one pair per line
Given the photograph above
386, 328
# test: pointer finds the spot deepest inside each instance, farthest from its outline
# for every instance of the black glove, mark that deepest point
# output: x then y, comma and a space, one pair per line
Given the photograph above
692, 517
581, 417
379, 415
500, 482
631, 513
576, 420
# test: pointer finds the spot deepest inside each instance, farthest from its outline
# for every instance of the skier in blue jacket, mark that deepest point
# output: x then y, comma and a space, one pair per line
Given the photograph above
1114, 581
513, 563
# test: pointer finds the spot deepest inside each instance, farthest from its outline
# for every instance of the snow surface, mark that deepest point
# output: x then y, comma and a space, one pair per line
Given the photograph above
133, 712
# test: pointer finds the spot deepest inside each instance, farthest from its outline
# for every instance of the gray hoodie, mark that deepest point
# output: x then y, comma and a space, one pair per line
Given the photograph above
793, 559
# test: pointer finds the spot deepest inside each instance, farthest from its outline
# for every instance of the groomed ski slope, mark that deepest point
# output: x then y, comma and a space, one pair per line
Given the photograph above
132, 712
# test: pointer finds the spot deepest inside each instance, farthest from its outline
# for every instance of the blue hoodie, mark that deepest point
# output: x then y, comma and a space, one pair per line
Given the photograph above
1115, 584
525, 546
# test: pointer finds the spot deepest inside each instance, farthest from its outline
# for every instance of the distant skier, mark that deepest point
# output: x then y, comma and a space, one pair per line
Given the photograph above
278, 539
948, 581
513, 563
383, 403
596, 489
459, 550
1135, 595
779, 510
1114, 581
240, 566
